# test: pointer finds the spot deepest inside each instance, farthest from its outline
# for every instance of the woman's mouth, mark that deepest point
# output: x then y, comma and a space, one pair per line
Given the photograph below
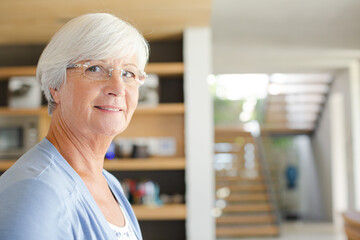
112, 109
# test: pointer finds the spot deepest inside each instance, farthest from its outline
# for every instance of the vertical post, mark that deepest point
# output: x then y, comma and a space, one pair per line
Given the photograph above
338, 157
199, 134
354, 70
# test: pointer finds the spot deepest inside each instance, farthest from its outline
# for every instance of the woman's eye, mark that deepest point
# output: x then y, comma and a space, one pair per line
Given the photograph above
128, 74
95, 68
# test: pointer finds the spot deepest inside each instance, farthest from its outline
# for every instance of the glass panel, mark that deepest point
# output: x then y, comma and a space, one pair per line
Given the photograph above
11, 138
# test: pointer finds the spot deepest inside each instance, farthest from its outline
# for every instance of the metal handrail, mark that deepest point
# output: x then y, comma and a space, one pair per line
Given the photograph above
265, 171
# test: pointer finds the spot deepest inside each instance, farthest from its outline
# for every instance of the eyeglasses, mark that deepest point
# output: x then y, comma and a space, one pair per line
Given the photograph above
99, 71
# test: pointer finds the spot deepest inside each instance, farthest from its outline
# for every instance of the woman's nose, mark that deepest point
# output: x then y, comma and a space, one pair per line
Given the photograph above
115, 85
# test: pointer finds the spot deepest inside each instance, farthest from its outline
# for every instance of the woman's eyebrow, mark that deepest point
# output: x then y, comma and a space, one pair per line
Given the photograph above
129, 64
101, 60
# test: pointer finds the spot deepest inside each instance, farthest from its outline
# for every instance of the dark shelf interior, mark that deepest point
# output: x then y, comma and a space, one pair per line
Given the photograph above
163, 230
170, 182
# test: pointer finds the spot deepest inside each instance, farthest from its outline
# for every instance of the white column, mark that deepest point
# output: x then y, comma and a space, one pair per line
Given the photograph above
354, 71
338, 157
199, 134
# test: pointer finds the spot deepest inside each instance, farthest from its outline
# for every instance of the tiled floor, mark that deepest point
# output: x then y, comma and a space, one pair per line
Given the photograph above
312, 231
306, 231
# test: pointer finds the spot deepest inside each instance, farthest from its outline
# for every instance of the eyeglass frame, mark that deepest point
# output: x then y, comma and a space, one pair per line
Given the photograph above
110, 70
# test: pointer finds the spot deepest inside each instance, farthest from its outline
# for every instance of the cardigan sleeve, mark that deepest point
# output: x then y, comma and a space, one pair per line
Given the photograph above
31, 209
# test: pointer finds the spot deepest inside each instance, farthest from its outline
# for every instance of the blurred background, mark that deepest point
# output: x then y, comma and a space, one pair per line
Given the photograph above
247, 128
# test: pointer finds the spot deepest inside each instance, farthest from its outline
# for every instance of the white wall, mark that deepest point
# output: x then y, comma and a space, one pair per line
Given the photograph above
322, 144
354, 75
338, 156
310, 199
199, 137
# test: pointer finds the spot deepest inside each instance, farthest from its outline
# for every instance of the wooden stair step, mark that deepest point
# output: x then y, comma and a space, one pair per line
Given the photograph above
237, 178
248, 207
244, 187
250, 231
252, 197
225, 139
242, 183
246, 219
240, 151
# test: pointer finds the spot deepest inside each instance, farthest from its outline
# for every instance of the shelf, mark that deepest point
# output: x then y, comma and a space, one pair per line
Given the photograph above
6, 72
145, 164
162, 108
166, 212
23, 111
165, 69
5, 164
161, 69
129, 164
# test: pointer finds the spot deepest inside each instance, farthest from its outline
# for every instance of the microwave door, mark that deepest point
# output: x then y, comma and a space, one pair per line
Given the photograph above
11, 142
17, 135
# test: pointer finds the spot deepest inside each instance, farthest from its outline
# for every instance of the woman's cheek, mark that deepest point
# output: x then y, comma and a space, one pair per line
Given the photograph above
133, 97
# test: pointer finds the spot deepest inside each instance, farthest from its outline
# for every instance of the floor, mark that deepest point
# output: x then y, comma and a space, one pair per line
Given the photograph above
306, 231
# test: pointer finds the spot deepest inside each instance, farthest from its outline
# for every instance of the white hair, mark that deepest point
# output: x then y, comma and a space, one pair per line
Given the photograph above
91, 36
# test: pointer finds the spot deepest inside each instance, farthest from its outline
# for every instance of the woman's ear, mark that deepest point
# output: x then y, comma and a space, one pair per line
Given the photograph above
55, 94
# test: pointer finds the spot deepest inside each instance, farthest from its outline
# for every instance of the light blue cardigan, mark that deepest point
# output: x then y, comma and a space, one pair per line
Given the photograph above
42, 197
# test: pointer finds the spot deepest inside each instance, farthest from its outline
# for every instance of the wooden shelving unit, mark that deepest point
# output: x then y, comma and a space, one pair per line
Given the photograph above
163, 120
163, 108
129, 164
170, 163
6, 72
174, 113
176, 110
161, 69
145, 164
21, 112
165, 69
165, 212
5, 164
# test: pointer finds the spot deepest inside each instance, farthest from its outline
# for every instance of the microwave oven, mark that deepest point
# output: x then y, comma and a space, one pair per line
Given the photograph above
17, 135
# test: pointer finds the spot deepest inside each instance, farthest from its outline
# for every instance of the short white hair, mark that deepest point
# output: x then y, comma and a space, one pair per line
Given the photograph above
91, 36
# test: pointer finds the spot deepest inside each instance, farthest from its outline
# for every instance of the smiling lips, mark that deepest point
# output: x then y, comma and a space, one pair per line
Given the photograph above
110, 108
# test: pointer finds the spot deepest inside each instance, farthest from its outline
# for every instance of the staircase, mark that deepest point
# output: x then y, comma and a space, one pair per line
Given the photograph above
247, 207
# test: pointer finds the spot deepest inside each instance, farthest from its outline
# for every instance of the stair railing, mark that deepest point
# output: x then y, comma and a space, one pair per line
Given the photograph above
268, 181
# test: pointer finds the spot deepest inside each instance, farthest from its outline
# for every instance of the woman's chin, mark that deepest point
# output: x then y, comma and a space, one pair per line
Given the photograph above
112, 130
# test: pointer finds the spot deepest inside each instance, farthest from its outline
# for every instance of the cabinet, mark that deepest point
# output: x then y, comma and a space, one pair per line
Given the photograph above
166, 119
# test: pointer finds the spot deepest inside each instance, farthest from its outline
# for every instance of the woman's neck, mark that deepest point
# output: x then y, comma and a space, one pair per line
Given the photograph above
83, 151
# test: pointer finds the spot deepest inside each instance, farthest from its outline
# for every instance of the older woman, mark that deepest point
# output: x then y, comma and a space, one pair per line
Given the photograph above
90, 73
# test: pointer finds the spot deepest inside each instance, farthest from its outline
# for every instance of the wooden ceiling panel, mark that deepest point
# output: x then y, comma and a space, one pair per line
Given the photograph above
35, 21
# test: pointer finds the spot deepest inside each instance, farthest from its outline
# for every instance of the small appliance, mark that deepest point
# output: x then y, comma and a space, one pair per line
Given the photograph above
17, 135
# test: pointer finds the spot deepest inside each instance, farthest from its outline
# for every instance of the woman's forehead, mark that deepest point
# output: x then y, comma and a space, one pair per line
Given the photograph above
115, 61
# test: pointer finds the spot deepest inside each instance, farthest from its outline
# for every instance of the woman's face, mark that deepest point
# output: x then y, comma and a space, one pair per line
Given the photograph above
97, 107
